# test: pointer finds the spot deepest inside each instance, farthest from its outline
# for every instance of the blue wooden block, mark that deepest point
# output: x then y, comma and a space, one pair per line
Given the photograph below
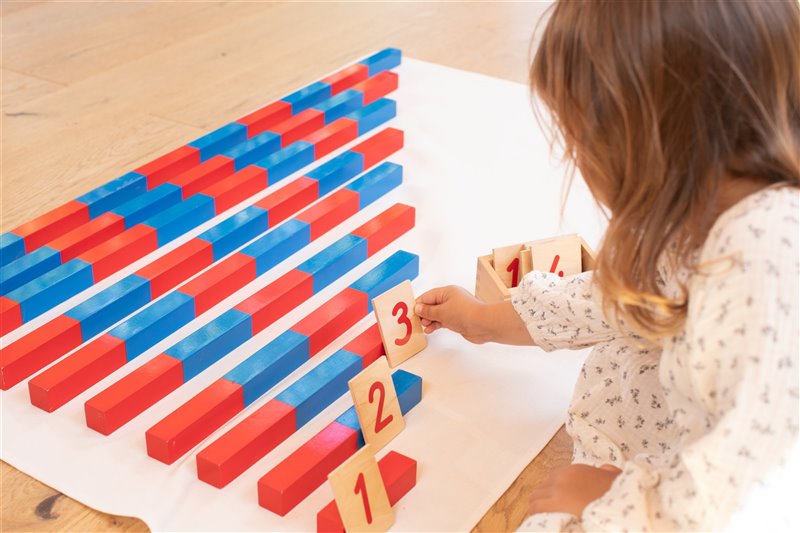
112, 304
399, 267
308, 96
337, 171
148, 204
321, 386
27, 268
235, 231
211, 342
278, 244
251, 150
115, 192
386, 59
284, 162
219, 140
180, 218
376, 183
334, 261
52, 288
264, 369
373, 115
155, 323
340, 105
408, 388
11, 247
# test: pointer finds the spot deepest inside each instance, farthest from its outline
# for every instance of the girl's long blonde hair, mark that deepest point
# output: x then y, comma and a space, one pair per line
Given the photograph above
657, 103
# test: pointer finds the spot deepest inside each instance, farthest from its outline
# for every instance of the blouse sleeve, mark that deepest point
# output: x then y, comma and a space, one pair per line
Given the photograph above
561, 312
734, 389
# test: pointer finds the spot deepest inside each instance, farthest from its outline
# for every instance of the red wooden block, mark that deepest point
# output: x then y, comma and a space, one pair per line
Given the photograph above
289, 199
203, 175
377, 86
236, 188
330, 212
399, 474
386, 227
368, 345
332, 318
52, 224
266, 117
169, 165
166, 272
88, 235
130, 396
295, 128
220, 281
10, 315
278, 298
71, 376
379, 146
333, 136
300, 474
347, 77
120, 251
248, 441
38, 349
186, 426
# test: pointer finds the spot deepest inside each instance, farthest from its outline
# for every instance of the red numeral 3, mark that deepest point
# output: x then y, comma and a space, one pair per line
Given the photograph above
404, 320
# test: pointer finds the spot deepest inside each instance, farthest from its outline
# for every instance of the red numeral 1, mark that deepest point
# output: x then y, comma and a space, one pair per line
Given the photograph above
513, 267
361, 487
402, 309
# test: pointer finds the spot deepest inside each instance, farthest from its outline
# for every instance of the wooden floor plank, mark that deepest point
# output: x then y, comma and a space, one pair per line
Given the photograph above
17, 89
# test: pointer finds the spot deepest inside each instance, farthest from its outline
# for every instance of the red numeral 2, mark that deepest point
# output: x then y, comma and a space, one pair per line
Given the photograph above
513, 267
380, 422
361, 487
402, 319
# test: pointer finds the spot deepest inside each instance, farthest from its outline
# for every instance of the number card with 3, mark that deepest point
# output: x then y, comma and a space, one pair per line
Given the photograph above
400, 327
376, 403
360, 493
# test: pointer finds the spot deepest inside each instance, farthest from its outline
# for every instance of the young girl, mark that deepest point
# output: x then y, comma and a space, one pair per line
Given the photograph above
684, 120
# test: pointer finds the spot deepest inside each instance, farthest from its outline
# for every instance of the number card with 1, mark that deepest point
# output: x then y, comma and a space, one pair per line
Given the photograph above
506, 262
376, 403
360, 493
560, 255
400, 327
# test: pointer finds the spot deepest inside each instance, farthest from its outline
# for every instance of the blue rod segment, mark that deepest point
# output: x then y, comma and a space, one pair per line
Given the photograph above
399, 267
340, 105
321, 386
284, 162
235, 231
211, 342
337, 171
11, 247
250, 151
106, 307
148, 204
180, 218
52, 288
376, 183
278, 244
155, 323
373, 115
386, 59
308, 96
27, 268
264, 369
334, 261
219, 140
114, 193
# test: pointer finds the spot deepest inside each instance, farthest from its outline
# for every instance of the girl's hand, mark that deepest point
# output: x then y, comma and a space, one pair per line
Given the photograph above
456, 309
571, 488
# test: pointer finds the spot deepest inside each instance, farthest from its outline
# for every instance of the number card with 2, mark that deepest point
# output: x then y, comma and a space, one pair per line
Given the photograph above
400, 327
376, 403
360, 493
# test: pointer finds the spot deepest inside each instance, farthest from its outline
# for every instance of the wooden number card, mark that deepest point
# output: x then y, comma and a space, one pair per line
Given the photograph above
506, 261
400, 327
360, 493
376, 404
525, 262
560, 255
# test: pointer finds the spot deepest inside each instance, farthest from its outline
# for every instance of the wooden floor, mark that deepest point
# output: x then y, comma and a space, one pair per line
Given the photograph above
91, 90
